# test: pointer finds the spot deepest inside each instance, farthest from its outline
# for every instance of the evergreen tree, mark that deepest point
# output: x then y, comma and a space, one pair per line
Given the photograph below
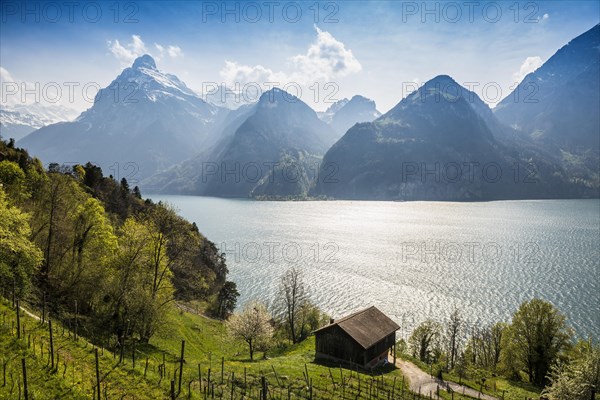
227, 299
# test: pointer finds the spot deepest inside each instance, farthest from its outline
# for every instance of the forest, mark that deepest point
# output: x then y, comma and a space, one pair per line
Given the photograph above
91, 252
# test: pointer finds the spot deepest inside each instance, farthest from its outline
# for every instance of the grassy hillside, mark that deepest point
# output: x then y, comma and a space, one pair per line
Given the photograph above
206, 346
206, 342
73, 376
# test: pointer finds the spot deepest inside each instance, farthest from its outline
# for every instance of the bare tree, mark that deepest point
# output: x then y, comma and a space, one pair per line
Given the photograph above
252, 325
290, 301
461, 367
485, 345
454, 328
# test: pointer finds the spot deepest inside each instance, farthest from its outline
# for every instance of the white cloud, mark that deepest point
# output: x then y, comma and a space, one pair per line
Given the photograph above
130, 51
15, 92
234, 73
325, 59
529, 65
7, 83
174, 51
5, 75
544, 17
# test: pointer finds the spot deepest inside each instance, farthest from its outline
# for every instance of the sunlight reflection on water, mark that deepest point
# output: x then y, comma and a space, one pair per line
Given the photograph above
415, 259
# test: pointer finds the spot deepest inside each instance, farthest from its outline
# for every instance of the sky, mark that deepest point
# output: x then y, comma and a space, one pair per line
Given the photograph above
63, 52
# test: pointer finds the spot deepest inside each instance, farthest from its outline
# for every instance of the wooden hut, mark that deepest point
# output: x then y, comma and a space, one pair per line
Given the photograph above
363, 339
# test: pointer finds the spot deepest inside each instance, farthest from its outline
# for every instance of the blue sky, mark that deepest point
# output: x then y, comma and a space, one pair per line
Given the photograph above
376, 49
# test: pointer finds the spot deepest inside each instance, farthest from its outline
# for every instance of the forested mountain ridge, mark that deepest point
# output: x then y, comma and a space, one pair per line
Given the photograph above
90, 245
439, 143
272, 148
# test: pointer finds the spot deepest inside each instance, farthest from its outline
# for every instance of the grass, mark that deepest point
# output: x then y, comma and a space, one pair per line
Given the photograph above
73, 376
206, 344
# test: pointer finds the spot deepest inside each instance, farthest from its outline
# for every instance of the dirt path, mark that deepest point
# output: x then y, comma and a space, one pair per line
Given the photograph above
422, 382
32, 315
192, 311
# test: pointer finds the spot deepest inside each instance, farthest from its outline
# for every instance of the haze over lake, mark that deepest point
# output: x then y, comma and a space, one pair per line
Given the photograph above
413, 260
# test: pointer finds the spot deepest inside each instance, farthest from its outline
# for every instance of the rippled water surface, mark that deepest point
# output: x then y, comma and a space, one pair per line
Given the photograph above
414, 260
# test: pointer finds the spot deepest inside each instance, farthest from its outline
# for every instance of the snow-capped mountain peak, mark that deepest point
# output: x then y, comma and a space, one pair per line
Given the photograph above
144, 81
144, 116
145, 61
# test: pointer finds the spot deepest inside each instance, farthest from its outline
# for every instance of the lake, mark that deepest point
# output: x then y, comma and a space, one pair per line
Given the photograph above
413, 260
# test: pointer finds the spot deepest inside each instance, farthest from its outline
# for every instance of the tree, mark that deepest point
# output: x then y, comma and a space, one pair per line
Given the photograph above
211, 257
79, 173
226, 299
454, 336
12, 179
54, 167
290, 300
36, 179
252, 325
21, 180
19, 257
178, 245
93, 245
485, 345
491, 345
124, 186
310, 319
139, 291
461, 367
424, 341
137, 193
92, 176
535, 339
52, 223
577, 379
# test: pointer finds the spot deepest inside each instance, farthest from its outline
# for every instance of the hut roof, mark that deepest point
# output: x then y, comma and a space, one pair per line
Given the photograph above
366, 327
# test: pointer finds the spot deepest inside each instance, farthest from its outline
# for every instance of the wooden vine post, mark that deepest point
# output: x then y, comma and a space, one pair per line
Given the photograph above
97, 374
18, 321
51, 343
181, 366
75, 334
25, 390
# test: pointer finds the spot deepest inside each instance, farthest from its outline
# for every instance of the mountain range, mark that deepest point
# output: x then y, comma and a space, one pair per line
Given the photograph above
556, 106
19, 120
543, 137
357, 109
261, 146
144, 121
441, 142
